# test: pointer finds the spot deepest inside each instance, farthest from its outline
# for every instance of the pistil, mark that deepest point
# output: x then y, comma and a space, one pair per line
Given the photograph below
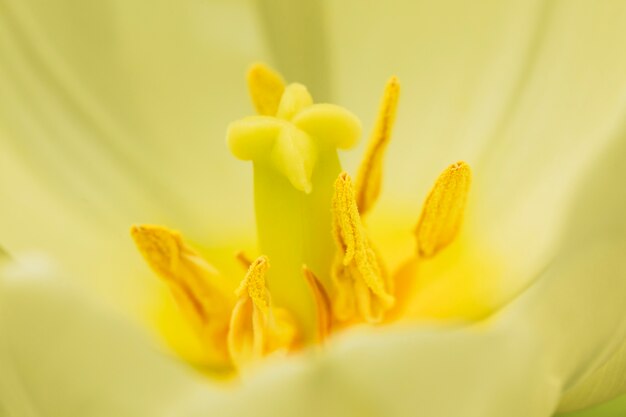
295, 160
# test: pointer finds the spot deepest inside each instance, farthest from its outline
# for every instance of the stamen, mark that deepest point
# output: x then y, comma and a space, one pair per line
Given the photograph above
369, 177
362, 289
442, 213
254, 284
322, 303
200, 292
258, 329
266, 87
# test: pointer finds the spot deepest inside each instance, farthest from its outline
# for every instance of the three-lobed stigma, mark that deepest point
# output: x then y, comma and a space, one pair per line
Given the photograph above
326, 273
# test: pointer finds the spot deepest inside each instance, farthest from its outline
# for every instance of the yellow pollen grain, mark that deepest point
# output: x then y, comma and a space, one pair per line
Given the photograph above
442, 213
266, 88
254, 283
369, 177
361, 286
257, 328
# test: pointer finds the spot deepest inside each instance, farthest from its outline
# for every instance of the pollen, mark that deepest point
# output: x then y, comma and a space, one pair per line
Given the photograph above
363, 290
253, 285
442, 213
257, 328
369, 178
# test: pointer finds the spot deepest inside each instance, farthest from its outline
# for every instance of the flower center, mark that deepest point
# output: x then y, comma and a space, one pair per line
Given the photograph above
325, 272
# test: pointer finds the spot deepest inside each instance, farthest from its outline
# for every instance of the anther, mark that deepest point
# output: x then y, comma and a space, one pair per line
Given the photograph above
198, 289
257, 328
442, 213
362, 288
369, 177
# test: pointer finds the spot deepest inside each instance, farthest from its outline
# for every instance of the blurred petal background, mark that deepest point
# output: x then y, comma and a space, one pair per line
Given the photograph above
113, 113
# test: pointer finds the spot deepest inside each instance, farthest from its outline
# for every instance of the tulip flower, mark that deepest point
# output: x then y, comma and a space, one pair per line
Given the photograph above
469, 262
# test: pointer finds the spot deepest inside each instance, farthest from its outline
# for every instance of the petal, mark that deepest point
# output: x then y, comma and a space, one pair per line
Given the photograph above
568, 111
458, 64
605, 383
533, 78
526, 92
297, 40
113, 115
61, 355
598, 211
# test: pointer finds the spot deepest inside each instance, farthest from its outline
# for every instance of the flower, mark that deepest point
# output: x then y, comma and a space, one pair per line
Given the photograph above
496, 112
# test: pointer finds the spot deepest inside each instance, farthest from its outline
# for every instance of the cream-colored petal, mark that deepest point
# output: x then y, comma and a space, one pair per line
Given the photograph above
298, 41
527, 68
61, 354
525, 92
605, 383
598, 211
459, 64
114, 114
569, 109
135, 120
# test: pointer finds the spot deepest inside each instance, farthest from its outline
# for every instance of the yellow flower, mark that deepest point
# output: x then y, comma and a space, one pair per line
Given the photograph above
107, 115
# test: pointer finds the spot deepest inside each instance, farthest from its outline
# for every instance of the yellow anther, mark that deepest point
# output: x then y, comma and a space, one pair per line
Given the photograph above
369, 177
202, 295
362, 288
254, 284
322, 304
258, 329
266, 88
442, 213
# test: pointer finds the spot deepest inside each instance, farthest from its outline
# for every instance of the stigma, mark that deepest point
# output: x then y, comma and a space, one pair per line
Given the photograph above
326, 271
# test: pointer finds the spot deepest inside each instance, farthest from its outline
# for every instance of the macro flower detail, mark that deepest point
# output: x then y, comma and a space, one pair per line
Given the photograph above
390, 280
256, 327
363, 289
308, 295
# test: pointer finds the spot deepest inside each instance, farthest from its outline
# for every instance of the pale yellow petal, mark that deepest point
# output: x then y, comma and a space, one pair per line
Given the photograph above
62, 353
104, 134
